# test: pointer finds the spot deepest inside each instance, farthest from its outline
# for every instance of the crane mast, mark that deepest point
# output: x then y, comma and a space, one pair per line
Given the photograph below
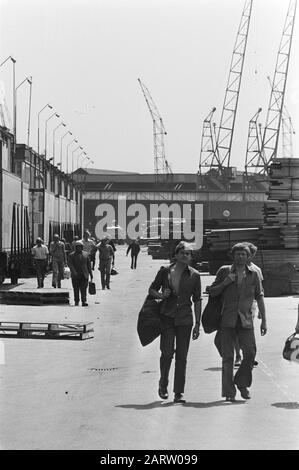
161, 165
276, 103
254, 158
229, 110
216, 150
208, 143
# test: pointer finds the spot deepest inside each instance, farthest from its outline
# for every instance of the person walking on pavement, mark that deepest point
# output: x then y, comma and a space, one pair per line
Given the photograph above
73, 244
253, 251
238, 285
179, 282
57, 251
79, 264
40, 255
106, 258
88, 245
135, 249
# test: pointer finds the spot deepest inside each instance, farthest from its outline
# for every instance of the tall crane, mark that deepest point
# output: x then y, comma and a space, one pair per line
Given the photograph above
208, 142
274, 115
220, 158
287, 129
161, 165
287, 135
254, 157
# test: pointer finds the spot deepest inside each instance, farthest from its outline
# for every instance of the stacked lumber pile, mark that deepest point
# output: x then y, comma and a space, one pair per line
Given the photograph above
281, 213
284, 179
223, 240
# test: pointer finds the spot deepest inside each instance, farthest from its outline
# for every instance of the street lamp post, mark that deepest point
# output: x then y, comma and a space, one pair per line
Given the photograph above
38, 140
46, 129
91, 162
54, 132
67, 133
67, 153
77, 160
13, 98
28, 80
79, 147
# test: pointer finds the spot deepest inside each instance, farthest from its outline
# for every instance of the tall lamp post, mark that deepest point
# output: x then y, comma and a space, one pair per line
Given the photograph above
77, 160
46, 129
13, 98
64, 135
91, 162
67, 153
38, 115
54, 132
78, 156
28, 80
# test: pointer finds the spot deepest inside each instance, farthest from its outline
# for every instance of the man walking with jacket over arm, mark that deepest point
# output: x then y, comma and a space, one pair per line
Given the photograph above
179, 282
238, 285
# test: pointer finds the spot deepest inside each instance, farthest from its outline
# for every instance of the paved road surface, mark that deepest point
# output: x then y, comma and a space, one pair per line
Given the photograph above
102, 393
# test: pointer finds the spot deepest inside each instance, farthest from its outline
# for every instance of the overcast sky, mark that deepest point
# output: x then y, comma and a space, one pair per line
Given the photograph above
85, 57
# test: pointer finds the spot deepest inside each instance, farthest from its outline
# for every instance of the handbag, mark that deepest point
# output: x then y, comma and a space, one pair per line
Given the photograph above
91, 288
211, 317
66, 272
149, 324
291, 348
113, 272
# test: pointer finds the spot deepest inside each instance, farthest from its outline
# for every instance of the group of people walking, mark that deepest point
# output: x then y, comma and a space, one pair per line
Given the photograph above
81, 262
238, 286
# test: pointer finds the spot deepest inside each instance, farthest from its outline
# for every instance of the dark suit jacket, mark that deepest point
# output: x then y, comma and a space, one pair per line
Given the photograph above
79, 264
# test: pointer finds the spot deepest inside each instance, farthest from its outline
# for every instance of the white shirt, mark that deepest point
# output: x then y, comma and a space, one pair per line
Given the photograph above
40, 252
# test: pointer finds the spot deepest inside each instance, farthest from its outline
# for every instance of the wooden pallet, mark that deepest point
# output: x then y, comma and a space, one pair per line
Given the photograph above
46, 330
34, 297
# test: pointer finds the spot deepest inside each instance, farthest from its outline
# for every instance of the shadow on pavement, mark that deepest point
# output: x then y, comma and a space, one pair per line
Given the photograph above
214, 369
161, 404
288, 405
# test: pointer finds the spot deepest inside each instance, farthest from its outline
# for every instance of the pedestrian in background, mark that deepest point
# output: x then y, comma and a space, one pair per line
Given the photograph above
79, 264
73, 245
88, 244
59, 261
135, 249
238, 285
106, 260
40, 254
179, 283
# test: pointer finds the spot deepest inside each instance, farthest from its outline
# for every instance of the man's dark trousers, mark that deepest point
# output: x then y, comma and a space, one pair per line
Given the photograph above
243, 377
174, 339
79, 285
134, 261
40, 266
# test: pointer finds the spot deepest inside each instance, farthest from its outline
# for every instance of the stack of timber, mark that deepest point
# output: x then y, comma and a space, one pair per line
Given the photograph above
34, 297
223, 240
46, 330
281, 213
284, 179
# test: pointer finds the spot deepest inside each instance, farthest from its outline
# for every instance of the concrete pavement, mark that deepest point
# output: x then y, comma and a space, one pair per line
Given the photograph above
102, 393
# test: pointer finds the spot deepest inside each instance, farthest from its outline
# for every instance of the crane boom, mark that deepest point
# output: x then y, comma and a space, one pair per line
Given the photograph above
229, 111
276, 103
208, 157
161, 165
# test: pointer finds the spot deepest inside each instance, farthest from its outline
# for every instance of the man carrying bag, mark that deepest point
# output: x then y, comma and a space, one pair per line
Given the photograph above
179, 282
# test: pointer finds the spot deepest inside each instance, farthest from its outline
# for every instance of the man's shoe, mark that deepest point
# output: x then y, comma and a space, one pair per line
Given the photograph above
84, 304
108, 287
244, 393
232, 399
178, 398
76, 304
53, 285
163, 393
